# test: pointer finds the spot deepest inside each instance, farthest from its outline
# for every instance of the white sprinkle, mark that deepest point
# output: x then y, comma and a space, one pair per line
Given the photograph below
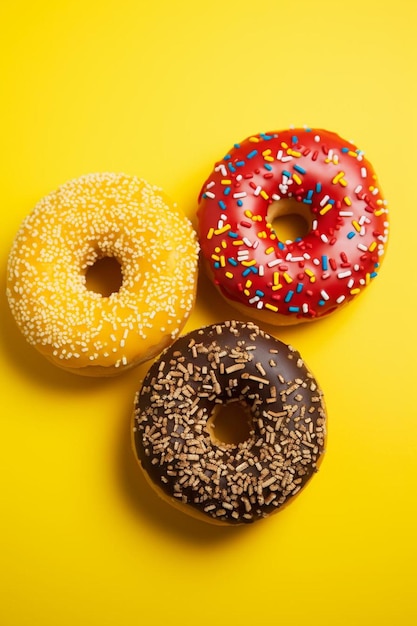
344, 274
222, 169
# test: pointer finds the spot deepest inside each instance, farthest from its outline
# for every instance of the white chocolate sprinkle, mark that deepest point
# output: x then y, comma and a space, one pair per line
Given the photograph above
95, 216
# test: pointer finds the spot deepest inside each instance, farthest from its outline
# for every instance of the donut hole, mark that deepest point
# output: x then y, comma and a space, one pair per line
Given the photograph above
230, 424
290, 220
104, 276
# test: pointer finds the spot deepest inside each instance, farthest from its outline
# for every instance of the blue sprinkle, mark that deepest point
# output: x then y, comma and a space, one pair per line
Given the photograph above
227, 157
322, 302
293, 309
268, 167
297, 239
204, 195
300, 169
259, 293
324, 263
281, 246
250, 270
307, 129
232, 234
294, 139
307, 199
216, 265
345, 149
222, 205
299, 287
351, 234
289, 296
318, 187
373, 274
239, 203
226, 191
240, 163
237, 145
252, 154
231, 167
286, 173
331, 201
266, 137
232, 261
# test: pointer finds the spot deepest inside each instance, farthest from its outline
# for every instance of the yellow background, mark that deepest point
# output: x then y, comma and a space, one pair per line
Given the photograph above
162, 89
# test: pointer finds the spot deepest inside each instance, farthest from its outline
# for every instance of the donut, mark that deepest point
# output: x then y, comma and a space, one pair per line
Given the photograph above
324, 180
174, 438
94, 217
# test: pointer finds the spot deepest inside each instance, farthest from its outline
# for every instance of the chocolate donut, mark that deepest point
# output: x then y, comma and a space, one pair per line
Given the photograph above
174, 419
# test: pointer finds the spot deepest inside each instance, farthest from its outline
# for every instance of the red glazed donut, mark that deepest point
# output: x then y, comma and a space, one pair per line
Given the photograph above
318, 175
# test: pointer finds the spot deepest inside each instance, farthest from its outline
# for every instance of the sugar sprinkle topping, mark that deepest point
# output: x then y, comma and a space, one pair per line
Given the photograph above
88, 218
213, 366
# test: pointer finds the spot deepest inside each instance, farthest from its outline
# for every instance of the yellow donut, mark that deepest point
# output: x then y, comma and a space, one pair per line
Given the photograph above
87, 219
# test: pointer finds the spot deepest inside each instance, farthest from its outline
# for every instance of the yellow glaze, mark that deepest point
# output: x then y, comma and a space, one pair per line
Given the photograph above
96, 216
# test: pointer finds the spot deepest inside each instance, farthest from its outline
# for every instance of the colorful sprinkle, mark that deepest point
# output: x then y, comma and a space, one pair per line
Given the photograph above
305, 273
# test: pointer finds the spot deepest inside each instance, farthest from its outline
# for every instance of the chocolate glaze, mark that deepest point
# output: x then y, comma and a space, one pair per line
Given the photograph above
230, 362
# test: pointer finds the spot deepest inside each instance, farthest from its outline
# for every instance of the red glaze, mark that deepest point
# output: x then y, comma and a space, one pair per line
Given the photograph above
332, 185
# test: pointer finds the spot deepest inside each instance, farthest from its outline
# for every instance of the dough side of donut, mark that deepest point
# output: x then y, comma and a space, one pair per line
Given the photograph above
95, 216
229, 483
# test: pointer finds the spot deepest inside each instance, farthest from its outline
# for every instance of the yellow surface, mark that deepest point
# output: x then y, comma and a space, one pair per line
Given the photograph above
160, 90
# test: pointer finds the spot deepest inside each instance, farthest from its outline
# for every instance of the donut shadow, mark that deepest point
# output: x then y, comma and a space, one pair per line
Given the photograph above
144, 502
